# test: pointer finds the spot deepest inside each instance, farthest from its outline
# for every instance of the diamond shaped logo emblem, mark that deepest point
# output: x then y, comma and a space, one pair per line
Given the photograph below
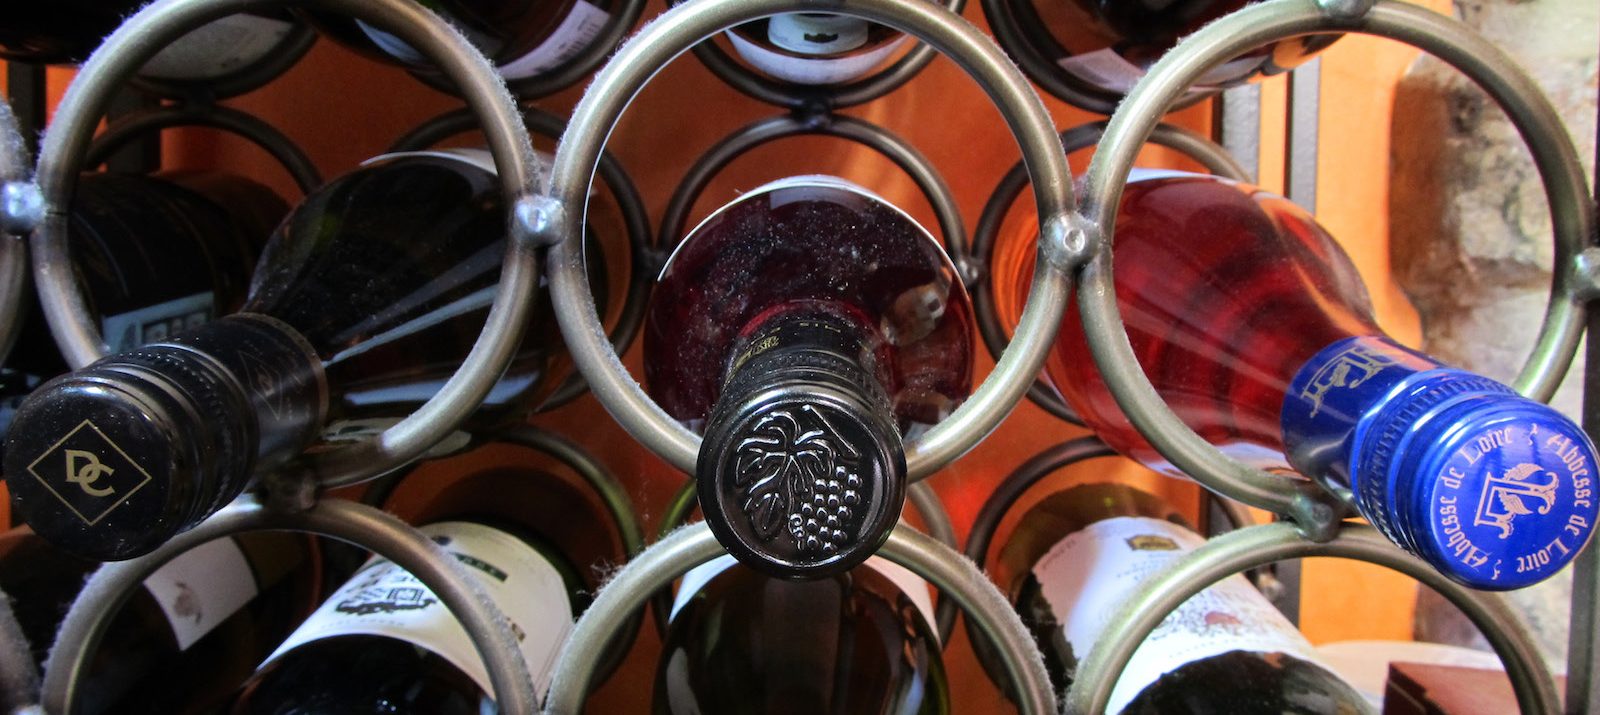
88, 472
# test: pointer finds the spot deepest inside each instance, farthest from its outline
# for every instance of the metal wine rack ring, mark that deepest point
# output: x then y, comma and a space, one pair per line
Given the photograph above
383, 534
285, 54
693, 545
157, 25
676, 31
21, 207
675, 219
19, 678
636, 221
1211, 155
1572, 215
246, 126
798, 96
1257, 546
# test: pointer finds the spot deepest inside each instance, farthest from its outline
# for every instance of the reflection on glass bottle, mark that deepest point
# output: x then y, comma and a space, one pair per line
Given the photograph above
1079, 554
861, 641
364, 303
1255, 328
804, 328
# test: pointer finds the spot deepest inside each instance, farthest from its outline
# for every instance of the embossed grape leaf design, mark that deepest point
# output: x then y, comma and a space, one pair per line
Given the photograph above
777, 465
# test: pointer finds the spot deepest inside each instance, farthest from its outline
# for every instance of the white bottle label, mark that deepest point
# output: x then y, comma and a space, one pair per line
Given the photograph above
816, 33
126, 331
1087, 576
1110, 70
384, 600
812, 70
577, 30
202, 587
218, 48
914, 587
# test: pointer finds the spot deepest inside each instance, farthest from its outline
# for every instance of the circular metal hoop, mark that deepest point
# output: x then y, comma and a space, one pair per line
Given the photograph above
362, 525
1211, 155
693, 545
797, 96
569, 72
19, 679
677, 30
636, 221
158, 24
1540, 126
284, 55
676, 217
246, 126
21, 207
1257, 546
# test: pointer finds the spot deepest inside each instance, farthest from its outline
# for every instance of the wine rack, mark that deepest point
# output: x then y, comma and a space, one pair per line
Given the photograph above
1074, 255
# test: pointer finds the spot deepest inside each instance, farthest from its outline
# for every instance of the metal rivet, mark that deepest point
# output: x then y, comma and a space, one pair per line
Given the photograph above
538, 219
21, 207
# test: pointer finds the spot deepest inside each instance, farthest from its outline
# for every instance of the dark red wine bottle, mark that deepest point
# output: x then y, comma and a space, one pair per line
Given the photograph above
67, 31
804, 328
199, 625
365, 301
523, 38
1255, 328
1079, 554
861, 641
384, 643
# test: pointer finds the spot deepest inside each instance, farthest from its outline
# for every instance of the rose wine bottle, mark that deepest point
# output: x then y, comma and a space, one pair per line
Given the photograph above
1255, 328
861, 641
805, 328
384, 643
1106, 46
198, 626
1079, 554
365, 301
67, 31
522, 38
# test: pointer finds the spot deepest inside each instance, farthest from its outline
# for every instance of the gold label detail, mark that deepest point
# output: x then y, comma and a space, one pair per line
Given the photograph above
1347, 369
88, 472
1151, 542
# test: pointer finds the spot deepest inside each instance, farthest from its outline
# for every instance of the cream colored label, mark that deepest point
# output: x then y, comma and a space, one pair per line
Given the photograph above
813, 70
218, 48
914, 587
1087, 576
202, 587
384, 600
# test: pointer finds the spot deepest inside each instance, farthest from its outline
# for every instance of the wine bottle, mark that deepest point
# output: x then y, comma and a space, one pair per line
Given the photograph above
523, 39
365, 301
1106, 46
815, 48
1257, 331
67, 31
385, 643
1079, 554
861, 641
805, 327
201, 622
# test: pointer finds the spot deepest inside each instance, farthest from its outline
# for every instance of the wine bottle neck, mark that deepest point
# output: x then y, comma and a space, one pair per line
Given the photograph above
802, 473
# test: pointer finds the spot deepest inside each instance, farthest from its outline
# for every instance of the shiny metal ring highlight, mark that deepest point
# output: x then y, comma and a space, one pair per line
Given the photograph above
693, 545
105, 592
285, 54
796, 96
21, 207
677, 30
1572, 215
642, 267
1210, 154
674, 221
1257, 546
157, 25
247, 126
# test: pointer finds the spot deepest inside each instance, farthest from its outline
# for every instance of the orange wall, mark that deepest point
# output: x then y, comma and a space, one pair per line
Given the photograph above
342, 108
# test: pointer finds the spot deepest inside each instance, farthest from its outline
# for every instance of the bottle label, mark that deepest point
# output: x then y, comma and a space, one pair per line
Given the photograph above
202, 587
218, 48
1087, 576
383, 599
1108, 69
583, 23
911, 584
350, 431
126, 331
812, 70
816, 33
